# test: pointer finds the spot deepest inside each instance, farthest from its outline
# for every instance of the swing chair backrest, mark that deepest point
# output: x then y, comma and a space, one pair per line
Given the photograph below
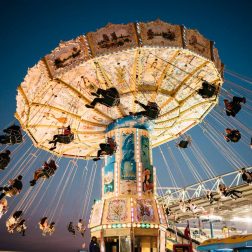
61, 131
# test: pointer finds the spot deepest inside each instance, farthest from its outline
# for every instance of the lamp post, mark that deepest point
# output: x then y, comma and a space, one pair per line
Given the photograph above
211, 228
211, 219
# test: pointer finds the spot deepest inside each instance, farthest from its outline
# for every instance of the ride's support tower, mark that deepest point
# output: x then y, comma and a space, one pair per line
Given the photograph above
128, 217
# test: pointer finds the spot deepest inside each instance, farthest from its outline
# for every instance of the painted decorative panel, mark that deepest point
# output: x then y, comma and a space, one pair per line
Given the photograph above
109, 178
160, 33
145, 211
117, 210
128, 165
113, 37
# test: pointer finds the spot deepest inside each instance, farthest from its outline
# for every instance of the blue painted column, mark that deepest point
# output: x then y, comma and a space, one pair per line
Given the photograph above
129, 208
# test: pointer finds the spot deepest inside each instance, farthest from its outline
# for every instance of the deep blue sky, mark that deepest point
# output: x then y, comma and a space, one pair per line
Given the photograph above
31, 29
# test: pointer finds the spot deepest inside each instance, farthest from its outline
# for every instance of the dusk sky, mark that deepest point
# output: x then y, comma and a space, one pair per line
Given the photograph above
31, 29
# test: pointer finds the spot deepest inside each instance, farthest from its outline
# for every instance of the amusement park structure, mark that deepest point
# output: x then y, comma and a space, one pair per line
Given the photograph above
146, 62
224, 207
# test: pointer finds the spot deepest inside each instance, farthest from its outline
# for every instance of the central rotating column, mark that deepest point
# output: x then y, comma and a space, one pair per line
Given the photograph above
128, 216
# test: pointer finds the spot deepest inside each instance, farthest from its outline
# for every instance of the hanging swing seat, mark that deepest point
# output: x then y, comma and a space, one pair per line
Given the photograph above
236, 138
183, 144
111, 100
207, 91
48, 172
12, 192
65, 139
152, 112
3, 163
11, 139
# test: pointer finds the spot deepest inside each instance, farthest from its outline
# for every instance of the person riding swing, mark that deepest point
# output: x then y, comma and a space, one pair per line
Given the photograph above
226, 192
45, 172
184, 142
65, 138
13, 221
14, 188
71, 228
151, 110
233, 135
21, 227
4, 159
13, 135
80, 227
45, 227
246, 175
207, 91
108, 148
234, 106
110, 97
3, 207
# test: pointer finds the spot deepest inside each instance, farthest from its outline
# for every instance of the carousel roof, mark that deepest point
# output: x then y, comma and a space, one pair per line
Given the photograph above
153, 61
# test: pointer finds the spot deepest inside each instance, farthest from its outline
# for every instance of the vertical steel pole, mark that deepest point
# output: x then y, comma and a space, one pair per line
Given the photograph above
211, 229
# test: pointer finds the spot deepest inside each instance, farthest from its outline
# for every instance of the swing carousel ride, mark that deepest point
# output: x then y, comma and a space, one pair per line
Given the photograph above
156, 62
176, 68
152, 61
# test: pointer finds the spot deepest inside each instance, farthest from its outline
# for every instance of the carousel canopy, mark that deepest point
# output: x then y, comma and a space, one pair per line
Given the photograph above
154, 61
